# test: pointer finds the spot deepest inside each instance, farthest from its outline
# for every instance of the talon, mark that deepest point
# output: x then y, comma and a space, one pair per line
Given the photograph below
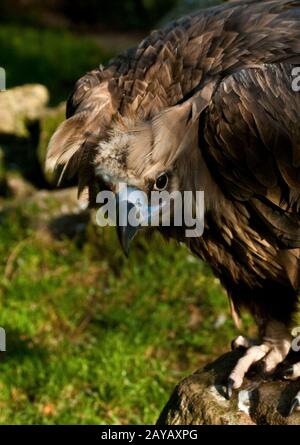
294, 406
240, 343
287, 373
235, 347
291, 372
229, 388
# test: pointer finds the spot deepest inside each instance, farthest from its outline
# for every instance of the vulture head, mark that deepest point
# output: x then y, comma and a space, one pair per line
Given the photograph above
132, 157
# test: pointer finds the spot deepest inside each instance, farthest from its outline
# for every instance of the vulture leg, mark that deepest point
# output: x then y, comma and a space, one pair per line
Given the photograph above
271, 352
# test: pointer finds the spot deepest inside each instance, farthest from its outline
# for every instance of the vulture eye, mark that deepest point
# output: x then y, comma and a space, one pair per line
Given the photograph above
161, 181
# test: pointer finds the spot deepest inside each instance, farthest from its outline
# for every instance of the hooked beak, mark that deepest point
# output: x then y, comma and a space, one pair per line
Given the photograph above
132, 212
125, 233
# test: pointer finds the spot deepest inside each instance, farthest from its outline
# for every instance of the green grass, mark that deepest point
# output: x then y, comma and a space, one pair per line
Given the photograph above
55, 58
93, 337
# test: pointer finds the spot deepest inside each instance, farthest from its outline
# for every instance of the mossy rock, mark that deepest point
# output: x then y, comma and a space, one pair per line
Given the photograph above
199, 399
20, 107
49, 122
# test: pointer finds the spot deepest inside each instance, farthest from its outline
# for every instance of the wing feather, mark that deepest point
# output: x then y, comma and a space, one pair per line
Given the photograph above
253, 146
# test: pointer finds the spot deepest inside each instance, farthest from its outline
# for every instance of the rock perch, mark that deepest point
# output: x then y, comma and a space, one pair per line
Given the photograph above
199, 399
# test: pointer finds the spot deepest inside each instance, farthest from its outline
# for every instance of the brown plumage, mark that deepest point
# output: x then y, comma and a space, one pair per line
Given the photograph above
209, 100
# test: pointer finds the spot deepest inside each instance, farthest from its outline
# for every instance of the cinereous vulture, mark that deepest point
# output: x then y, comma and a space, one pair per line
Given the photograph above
211, 102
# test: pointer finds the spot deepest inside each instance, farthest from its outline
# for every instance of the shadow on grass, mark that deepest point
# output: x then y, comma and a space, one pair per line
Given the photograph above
20, 154
18, 348
69, 225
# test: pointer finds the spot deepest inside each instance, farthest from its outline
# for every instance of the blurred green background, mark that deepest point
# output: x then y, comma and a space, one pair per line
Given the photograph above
91, 336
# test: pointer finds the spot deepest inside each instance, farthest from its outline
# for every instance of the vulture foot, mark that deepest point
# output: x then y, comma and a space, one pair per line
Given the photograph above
267, 355
262, 354
268, 358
